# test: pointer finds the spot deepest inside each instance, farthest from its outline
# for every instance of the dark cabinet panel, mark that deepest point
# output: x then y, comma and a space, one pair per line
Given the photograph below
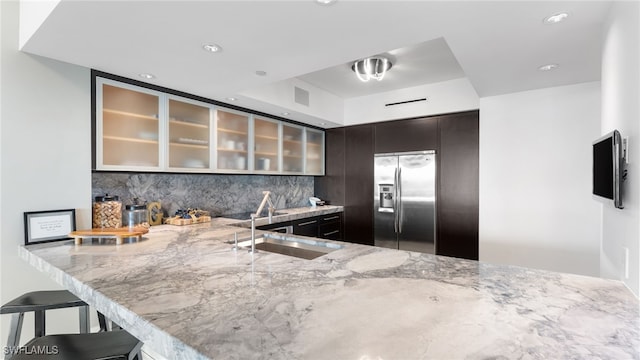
406, 135
330, 227
330, 187
306, 227
283, 227
359, 150
458, 186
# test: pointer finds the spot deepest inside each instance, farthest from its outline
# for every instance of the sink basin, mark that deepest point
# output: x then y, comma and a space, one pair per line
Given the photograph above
300, 249
247, 215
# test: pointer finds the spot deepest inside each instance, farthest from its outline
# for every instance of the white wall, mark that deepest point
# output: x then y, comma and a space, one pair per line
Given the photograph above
279, 96
621, 110
536, 208
443, 97
45, 151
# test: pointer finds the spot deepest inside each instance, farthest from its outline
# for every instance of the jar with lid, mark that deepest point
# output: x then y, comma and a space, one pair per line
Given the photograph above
107, 212
136, 216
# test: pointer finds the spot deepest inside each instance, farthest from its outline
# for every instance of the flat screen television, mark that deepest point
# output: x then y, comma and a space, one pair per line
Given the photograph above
607, 168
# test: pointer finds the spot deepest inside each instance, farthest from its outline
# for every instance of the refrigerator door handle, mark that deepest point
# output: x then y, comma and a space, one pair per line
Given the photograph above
395, 201
400, 214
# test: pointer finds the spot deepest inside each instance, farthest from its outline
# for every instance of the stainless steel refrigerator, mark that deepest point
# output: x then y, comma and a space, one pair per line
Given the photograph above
404, 201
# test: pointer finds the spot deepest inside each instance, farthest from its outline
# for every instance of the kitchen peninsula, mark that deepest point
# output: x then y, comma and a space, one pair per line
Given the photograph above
188, 295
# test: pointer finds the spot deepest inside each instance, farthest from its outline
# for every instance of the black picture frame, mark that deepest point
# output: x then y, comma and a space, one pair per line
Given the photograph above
48, 226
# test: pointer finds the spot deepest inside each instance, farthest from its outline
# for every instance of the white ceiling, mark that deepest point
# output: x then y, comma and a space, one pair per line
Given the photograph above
425, 63
497, 45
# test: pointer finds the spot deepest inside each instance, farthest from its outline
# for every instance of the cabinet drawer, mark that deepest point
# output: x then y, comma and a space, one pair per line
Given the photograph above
330, 231
330, 218
306, 227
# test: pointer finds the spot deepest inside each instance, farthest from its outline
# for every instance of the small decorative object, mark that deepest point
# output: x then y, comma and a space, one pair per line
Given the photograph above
107, 212
48, 226
154, 211
188, 216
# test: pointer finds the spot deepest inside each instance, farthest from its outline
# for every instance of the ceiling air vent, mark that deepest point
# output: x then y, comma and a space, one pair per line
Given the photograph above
301, 96
405, 102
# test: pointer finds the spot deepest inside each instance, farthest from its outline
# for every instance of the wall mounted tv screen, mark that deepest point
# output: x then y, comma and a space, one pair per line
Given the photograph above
607, 168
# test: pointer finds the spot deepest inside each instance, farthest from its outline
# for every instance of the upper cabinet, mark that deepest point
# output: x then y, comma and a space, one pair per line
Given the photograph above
233, 139
266, 145
138, 129
314, 152
189, 135
129, 128
292, 148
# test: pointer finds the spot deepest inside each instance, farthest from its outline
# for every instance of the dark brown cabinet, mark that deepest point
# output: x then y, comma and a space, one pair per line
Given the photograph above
406, 135
330, 227
349, 175
322, 226
458, 186
358, 184
306, 227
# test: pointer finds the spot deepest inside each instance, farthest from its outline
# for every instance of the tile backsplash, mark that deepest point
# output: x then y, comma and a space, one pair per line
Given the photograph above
218, 194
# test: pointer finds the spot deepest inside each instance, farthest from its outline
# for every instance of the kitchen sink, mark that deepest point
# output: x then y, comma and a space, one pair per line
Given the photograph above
299, 248
247, 215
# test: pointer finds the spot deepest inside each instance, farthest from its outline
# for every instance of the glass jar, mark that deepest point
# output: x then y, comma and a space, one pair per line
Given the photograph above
107, 212
136, 216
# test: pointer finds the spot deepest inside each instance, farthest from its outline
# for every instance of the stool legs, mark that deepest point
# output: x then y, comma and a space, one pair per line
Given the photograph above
40, 323
15, 330
83, 315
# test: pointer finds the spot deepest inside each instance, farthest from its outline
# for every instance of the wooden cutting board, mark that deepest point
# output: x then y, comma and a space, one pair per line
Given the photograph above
192, 220
117, 233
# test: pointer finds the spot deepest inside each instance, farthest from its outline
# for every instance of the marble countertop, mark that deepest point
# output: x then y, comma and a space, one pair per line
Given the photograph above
188, 295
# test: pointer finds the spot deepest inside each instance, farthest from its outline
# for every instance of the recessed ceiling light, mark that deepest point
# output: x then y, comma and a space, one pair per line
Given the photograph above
284, 113
212, 47
325, 2
261, 73
147, 76
548, 67
556, 18
322, 123
231, 98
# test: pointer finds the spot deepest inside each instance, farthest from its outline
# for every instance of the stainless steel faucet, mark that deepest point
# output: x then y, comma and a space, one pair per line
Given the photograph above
272, 209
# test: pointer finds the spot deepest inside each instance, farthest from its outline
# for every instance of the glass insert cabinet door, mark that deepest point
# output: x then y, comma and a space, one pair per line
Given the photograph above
292, 150
232, 141
315, 152
130, 127
189, 133
266, 143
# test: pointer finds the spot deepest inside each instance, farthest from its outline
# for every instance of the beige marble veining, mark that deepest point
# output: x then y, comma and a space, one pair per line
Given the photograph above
188, 295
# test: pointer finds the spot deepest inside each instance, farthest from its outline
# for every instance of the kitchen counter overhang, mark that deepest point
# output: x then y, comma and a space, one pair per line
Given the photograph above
188, 295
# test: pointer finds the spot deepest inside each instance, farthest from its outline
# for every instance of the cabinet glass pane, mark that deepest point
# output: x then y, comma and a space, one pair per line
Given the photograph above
233, 136
291, 148
266, 145
129, 127
188, 135
315, 152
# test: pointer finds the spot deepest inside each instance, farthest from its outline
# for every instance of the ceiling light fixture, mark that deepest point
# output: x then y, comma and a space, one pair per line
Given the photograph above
212, 47
147, 76
548, 67
284, 113
325, 2
371, 68
231, 98
556, 18
261, 73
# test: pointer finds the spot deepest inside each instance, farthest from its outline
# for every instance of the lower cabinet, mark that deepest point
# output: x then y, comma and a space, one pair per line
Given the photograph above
323, 226
306, 226
330, 227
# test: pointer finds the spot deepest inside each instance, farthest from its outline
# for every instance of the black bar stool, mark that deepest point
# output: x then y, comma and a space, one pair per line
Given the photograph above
117, 344
39, 302
104, 344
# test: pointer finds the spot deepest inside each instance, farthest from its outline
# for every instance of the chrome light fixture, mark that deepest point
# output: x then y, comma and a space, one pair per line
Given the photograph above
371, 68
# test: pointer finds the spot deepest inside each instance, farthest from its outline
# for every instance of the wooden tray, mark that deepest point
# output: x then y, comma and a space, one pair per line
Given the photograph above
192, 220
117, 233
